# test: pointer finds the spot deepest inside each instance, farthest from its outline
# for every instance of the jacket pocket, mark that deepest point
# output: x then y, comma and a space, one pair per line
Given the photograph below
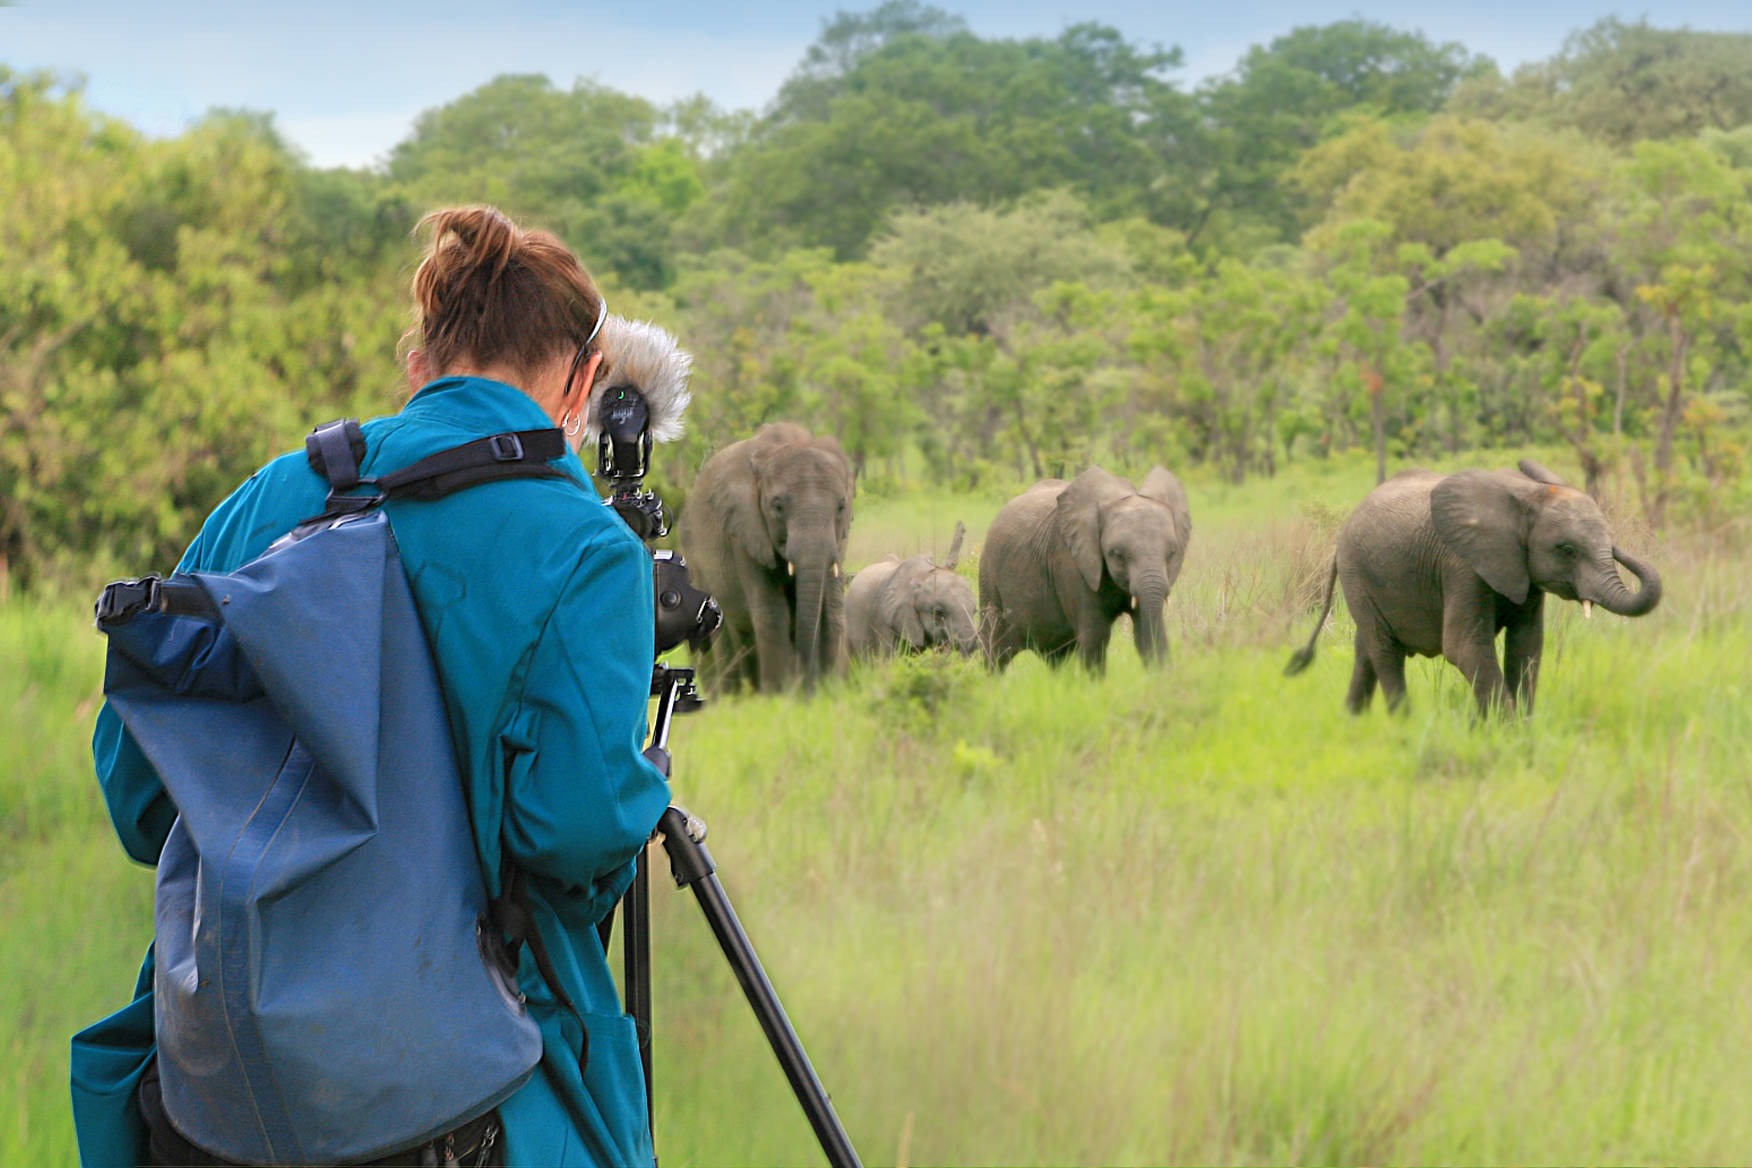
108, 1059
615, 1080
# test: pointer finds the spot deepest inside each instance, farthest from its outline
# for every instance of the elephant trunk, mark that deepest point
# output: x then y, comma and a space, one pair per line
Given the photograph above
967, 639
813, 571
1618, 599
1149, 622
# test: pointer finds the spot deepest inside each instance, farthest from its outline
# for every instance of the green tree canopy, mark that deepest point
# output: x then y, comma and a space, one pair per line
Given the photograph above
1624, 82
1283, 98
912, 110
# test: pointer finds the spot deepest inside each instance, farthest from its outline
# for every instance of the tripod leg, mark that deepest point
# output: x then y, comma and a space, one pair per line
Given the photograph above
636, 949
693, 868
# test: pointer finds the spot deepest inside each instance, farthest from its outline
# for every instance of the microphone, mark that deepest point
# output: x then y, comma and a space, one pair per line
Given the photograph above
639, 398
642, 386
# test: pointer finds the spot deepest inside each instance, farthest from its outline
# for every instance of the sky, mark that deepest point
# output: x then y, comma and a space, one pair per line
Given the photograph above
346, 80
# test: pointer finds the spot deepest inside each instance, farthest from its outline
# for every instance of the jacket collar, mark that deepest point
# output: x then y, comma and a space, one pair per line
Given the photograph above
476, 403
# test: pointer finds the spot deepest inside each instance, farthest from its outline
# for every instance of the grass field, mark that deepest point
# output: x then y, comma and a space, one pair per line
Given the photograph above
1194, 916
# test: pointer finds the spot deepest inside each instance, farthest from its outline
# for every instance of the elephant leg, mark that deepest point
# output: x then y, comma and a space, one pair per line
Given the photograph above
1469, 643
1362, 686
999, 638
1388, 663
1092, 647
729, 657
1522, 646
771, 618
773, 654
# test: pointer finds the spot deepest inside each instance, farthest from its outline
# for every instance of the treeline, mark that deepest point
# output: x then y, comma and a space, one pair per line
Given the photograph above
970, 258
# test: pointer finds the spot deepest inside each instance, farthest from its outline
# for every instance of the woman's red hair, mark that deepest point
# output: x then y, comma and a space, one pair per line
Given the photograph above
488, 293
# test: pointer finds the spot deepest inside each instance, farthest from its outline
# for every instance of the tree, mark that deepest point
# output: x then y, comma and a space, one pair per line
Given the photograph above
1226, 348
589, 163
924, 112
1625, 83
1284, 98
1685, 241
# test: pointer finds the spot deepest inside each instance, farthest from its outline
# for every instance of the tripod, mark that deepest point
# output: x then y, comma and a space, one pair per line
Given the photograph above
683, 837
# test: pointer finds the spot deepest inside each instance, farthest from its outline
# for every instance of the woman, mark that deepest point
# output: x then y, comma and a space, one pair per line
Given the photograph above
537, 603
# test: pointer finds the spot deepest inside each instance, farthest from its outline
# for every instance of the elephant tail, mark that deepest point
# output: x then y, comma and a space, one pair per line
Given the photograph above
1304, 656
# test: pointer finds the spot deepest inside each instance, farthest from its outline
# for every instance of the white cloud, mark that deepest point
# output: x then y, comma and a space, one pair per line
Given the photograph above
356, 140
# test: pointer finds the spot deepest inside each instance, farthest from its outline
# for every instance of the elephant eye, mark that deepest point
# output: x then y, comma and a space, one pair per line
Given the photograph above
1566, 549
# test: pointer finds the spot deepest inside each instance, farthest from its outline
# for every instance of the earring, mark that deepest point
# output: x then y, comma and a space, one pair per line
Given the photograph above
574, 424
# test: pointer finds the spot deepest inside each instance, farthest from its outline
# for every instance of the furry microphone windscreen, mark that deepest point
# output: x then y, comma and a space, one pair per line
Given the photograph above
645, 357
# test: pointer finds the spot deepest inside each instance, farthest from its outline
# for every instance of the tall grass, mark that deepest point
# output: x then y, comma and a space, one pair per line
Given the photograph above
1197, 915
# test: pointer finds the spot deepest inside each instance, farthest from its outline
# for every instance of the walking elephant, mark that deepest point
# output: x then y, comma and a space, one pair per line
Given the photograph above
1440, 564
1063, 560
765, 532
915, 603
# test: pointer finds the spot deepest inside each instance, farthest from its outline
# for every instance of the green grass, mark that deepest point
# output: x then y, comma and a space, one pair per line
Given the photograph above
1200, 916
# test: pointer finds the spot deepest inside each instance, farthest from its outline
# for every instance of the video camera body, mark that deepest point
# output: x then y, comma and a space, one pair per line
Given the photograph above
638, 400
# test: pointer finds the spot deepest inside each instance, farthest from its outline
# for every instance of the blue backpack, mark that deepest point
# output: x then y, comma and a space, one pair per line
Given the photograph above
332, 982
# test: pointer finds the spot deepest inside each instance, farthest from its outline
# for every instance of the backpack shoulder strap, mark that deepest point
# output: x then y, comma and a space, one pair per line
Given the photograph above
510, 913
521, 454
335, 450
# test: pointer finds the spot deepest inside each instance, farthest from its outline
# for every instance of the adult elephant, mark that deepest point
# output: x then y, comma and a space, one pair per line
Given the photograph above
1440, 564
915, 603
1063, 560
765, 532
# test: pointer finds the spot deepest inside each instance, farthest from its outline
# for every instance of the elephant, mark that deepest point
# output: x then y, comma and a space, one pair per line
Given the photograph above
1063, 560
765, 532
913, 604
1438, 565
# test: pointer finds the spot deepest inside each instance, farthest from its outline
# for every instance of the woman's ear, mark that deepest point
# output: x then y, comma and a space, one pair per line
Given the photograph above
1481, 518
574, 396
419, 373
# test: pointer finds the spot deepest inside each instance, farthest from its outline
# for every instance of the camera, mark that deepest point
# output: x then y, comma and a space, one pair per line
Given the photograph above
639, 399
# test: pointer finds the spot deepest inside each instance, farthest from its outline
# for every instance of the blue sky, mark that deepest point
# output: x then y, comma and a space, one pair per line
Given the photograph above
345, 80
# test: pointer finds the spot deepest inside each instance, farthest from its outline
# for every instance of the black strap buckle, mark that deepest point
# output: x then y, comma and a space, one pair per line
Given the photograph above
125, 599
506, 447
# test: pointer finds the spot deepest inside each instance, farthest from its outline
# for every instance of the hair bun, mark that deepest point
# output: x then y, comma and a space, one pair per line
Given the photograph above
492, 294
467, 243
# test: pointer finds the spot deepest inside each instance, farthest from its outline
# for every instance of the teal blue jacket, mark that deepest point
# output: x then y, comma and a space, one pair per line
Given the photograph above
537, 602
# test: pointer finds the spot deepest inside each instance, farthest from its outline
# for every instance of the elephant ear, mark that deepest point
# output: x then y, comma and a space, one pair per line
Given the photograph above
731, 494
897, 606
1480, 518
746, 520
1539, 473
1079, 518
832, 446
1162, 486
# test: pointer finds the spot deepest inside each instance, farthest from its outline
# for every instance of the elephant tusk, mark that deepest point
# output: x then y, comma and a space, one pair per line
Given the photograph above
836, 571
1587, 609
790, 568
1134, 604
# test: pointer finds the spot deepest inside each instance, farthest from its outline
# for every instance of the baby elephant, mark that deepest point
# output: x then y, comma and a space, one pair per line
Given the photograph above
1439, 564
911, 604
1063, 560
